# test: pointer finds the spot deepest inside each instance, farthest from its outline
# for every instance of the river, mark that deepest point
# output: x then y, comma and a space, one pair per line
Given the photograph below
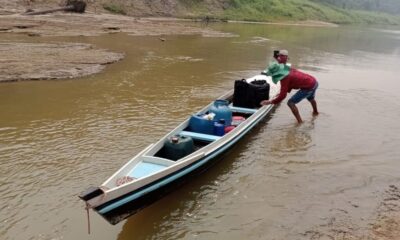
324, 179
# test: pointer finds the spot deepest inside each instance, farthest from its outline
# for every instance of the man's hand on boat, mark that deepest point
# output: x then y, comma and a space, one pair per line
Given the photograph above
265, 102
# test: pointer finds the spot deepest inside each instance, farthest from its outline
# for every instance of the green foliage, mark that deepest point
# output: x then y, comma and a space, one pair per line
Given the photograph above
197, 7
114, 8
334, 11
190, 2
388, 6
299, 10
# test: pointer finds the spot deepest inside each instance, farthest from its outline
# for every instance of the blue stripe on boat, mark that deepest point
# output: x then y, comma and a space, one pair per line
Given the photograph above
185, 171
200, 136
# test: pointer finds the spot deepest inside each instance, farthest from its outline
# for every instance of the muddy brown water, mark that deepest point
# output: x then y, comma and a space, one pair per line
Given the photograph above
323, 179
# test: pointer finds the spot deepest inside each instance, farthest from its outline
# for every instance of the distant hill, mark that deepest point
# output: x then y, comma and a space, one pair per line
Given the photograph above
334, 11
388, 6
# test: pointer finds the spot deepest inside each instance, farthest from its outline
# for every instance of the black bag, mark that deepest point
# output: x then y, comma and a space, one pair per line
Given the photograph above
258, 91
249, 95
240, 94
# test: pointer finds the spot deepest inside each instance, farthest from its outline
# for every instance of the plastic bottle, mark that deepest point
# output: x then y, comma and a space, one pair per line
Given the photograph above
221, 110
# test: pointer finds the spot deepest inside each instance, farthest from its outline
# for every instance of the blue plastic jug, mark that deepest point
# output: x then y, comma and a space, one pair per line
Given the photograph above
219, 128
200, 125
221, 110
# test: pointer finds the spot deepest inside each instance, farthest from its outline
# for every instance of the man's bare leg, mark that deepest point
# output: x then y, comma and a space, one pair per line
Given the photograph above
295, 111
314, 106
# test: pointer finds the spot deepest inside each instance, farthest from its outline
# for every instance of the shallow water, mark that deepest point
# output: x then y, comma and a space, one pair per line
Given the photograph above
282, 181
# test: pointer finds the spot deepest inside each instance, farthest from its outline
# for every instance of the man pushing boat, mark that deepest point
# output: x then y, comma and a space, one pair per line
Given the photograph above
289, 79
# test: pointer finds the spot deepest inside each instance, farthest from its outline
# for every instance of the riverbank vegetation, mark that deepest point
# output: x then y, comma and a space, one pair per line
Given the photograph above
334, 11
301, 10
114, 8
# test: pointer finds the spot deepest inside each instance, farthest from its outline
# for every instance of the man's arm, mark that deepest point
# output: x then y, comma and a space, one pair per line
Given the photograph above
282, 94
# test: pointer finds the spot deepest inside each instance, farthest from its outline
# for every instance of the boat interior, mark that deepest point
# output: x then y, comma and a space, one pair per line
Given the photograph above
190, 140
200, 134
158, 157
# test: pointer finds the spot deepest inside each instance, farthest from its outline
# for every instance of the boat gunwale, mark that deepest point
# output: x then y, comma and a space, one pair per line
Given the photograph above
102, 209
111, 194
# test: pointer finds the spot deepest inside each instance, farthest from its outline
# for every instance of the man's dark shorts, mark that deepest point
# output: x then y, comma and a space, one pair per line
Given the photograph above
301, 94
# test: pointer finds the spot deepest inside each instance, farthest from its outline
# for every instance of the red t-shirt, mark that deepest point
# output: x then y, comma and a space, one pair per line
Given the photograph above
295, 80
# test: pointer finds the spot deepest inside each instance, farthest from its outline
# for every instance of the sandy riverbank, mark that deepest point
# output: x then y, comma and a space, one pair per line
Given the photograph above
346, 223
38, 61
29, 61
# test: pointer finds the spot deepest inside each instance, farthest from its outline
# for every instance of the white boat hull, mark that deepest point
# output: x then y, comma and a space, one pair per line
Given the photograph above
116, 201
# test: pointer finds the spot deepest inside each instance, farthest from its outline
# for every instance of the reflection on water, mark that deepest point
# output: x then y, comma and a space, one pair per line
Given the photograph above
58, 137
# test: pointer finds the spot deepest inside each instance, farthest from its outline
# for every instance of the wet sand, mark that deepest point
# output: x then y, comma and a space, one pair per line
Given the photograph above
383, 222
387, 222
39, 61
29, 61
62, 24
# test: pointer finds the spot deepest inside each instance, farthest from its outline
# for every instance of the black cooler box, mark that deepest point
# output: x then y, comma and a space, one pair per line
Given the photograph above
249, 95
